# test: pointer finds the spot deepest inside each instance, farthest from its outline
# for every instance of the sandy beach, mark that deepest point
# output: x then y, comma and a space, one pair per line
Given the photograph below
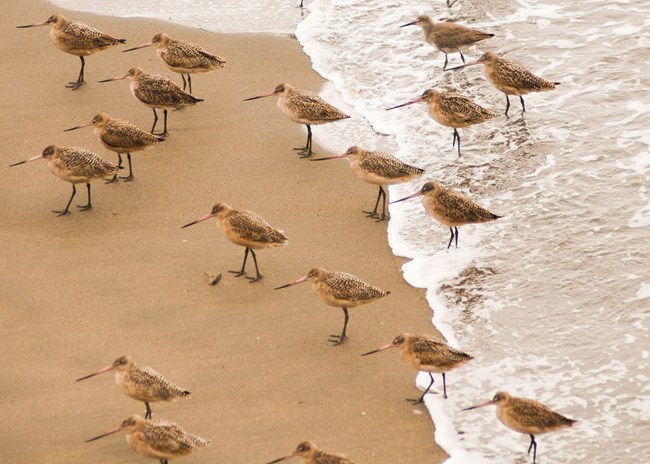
123, 278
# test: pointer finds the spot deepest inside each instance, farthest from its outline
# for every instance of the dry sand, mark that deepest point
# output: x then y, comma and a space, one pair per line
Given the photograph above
123, 278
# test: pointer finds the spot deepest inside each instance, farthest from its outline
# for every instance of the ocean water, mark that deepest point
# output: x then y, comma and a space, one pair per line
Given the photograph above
553, 300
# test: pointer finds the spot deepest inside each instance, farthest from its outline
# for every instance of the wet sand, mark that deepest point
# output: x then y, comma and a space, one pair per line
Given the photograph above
123, 278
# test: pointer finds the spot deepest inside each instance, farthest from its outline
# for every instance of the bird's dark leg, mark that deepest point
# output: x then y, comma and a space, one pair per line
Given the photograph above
184, 82
80, 80
456, 138
243, 266
444, 66
373, 213
258, 276
130, 176
164, 133
383, 204
338, 339
533, 445
451, 239
507, 105
163, 461
306, 151
461, 56
65, 211
421, 398
451, 4
456, 229
189, 82
119, 164
444, 385
155, 120
523, 107
88, 205
147, 414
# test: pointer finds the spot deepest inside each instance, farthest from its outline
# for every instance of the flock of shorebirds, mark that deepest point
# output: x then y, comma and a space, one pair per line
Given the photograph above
164, 440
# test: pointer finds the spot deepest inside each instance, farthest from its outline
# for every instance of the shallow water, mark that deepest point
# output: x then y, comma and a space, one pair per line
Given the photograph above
553, 299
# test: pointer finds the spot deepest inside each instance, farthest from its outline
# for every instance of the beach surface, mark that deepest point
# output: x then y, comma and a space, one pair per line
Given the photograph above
124, 278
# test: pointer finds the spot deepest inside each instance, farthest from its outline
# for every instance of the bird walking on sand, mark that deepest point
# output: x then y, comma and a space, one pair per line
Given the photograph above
304, 107
448, 37
452, 110
247, 229
450, 208
341, 290
142, 383
526, 416
121, 137
427, 354
510, 78
157, 92
183, 57
77, 39
310, 454
161, 440
377, 168
75, 165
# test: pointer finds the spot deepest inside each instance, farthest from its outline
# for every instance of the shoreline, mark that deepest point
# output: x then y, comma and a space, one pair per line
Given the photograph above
124, 278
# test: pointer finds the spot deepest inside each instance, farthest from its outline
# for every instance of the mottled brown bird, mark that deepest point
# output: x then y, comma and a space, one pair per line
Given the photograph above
526, 416
428, 354
510, 78
452, 110
142, 383
341, 290
310, 454
161, 440
247, 229
450, 208
157, 92
183, 57
378, 168
448, 37
121, 137
75, 165
304, 107
77, 39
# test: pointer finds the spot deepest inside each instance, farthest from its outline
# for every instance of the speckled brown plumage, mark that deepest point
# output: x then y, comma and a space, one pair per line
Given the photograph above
77, 39
526, 416
310, 454
448, 37
429, 354
161, 440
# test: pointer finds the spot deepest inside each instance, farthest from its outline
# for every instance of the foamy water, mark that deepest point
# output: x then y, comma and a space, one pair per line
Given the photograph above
553, 299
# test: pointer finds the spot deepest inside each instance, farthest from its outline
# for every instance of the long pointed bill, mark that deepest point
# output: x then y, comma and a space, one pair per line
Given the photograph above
408, 24
44, 23
280, 459
78, 127
110, 432
299, 281
385, 347
473, 63
27, 160
101, 371
148, 44
201, 219
487, 403
417, 100
331, 157
116, 78
416, 194
259, 96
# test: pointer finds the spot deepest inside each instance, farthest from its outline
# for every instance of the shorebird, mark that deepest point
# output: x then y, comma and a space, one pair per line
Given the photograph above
121, 137
183, 57
157, 440
377, 168
247, 229
157, 92
341, 290
77, 39
510, 78
75, 165
427, 354
304, 107
310, 454
142, 383
448, 37
450, 208
527, 416
452, 110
